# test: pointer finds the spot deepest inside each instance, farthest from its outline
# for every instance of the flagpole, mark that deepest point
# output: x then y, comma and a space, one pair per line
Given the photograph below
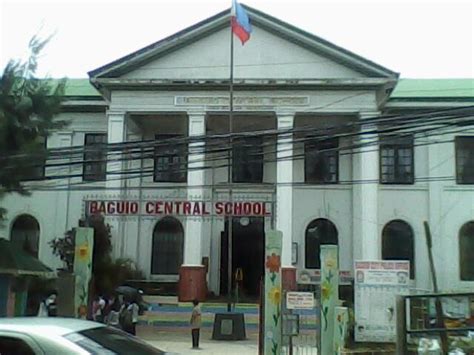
229, 172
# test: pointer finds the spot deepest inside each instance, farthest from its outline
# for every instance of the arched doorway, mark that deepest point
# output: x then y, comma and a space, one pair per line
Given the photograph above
466, 251
167, 247
398, 243
318, 232
25, 233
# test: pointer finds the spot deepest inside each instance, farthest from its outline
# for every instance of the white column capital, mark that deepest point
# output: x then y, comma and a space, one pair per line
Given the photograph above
196, 123
285, 119
116, 115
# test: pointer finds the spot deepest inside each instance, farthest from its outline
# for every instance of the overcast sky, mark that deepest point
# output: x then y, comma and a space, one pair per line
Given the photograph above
417, 38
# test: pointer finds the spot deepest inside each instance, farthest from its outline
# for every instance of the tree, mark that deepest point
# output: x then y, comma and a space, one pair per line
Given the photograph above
107, 273
28, 113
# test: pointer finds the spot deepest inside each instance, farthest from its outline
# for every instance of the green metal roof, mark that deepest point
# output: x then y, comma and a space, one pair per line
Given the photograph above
405, 89
433, 88
78, 88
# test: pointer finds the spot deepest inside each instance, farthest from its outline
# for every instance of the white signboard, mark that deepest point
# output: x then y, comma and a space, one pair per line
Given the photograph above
299, 300
377, 283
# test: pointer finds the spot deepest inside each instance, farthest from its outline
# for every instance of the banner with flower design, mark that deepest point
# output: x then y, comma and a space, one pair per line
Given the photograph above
329, 295
272, 320
84, 239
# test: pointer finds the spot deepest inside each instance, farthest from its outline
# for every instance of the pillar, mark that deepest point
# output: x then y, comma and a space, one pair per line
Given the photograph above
365, 194
116, 131
192, 274
65, 141
284, 197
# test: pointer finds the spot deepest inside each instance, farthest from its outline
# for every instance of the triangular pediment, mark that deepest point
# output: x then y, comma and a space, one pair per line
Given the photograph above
276, 50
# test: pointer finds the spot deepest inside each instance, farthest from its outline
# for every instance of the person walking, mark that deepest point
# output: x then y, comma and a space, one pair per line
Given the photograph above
195, 323
128, 317
98, 309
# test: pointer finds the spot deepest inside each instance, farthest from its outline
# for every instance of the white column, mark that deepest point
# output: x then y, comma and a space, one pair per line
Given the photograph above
284, 195
366, 239
65, 140
116, 131
194, 227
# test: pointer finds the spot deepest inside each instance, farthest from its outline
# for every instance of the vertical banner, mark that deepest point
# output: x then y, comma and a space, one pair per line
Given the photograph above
82, 269
329, 295
341, 321
272, 322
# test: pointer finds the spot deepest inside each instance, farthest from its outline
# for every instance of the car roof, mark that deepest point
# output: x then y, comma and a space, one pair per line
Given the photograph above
51, 325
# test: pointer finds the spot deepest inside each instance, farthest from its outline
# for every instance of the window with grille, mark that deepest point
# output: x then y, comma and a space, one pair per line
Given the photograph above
321, 164
170, 159
397, 162
465, 160
466, 251
319, 232
167, 247
398, 243
37, 167
247, 160
95, 157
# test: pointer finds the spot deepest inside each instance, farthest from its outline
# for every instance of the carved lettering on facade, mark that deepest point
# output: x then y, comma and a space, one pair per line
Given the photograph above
251, 101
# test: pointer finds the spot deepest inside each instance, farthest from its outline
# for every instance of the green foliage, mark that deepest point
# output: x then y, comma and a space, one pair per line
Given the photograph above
28, 107
64, 249
107, 273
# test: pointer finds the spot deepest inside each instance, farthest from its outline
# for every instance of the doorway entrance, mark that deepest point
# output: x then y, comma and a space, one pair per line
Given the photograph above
248, 251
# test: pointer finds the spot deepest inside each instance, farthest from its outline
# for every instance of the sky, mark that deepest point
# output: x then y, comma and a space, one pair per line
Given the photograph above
416, 38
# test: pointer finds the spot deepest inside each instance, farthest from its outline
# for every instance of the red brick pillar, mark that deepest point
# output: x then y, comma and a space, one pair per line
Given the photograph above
288, 278
192, 283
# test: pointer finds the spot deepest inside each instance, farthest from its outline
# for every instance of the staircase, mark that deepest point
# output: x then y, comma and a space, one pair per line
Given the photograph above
166, 314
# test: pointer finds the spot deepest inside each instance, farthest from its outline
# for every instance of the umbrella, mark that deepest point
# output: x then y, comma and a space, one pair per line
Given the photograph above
127, 291
15, 261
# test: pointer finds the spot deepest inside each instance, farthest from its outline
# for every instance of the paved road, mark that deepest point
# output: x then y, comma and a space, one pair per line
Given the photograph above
180, 343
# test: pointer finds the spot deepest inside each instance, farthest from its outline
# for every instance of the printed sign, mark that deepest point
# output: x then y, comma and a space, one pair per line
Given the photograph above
377, 283
178, 208
299, 300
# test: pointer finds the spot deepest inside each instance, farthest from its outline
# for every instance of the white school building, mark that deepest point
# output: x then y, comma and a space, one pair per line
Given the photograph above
169, 212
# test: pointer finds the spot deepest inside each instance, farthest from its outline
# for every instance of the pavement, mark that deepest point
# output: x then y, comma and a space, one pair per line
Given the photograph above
180, 343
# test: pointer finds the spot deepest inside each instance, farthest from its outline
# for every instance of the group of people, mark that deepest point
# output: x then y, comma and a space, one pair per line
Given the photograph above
118, 311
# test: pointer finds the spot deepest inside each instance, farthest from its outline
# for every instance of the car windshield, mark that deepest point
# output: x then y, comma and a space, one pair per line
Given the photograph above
108, 341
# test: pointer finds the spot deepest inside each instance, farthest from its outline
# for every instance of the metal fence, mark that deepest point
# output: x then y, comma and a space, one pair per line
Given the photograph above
304, 324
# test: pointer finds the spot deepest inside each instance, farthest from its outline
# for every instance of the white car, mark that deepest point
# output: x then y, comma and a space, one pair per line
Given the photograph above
44, 336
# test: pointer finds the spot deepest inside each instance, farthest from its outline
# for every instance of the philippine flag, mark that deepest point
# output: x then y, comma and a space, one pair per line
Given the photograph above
240, 22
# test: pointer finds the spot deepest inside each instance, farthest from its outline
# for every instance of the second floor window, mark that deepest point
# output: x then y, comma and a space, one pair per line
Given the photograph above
170, 159
36, 168
321, 161
247, 160
95, 157
465, 160
397, 162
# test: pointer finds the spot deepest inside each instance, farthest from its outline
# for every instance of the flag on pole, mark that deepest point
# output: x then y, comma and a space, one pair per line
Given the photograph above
240, 22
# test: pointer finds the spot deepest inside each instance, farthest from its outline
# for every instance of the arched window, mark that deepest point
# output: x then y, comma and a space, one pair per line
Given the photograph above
466, 251
318, 232
25, 234
167, 248
398, 243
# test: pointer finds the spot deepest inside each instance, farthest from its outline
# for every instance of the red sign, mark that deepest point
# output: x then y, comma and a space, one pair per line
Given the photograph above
179, 208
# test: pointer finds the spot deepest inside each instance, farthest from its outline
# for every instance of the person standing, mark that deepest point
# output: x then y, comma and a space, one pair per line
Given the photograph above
195, 323
52, 305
